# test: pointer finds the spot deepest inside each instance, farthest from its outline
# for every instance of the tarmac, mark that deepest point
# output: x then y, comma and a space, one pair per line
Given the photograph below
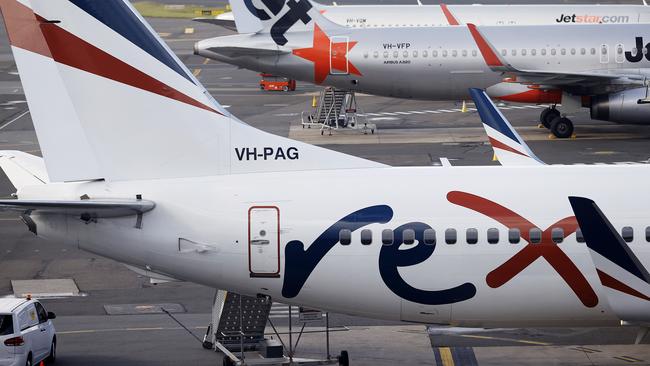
111, 318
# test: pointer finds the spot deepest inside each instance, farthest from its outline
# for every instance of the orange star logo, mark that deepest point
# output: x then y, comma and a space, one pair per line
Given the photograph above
319, 54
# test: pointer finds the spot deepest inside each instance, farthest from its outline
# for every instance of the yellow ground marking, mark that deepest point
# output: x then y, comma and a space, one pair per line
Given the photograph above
205, 62
446, 357
196, 72
628, 359
506, 339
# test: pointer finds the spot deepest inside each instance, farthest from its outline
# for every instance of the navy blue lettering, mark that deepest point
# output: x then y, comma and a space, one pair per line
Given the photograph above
392, 257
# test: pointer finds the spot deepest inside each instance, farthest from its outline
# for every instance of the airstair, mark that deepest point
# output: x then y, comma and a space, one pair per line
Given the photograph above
336, 109
238, 331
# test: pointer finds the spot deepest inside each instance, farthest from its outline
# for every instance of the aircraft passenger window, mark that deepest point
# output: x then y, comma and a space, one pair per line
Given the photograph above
345, 237
603, 50
647, 234
553, 52
514, 52
579, 237
454, 53
385, 54
593, 51
619, 49
366, 236
628, 234
450, 236
464, 53
434, 53
429, 237
425, 53
524, 52
444, 53
645, 51
493, 236
365, 54
557, 235
415, 53
563, 51
474, 53
409, 236
583, 51
375, 54
533, 52
573, 51
634, 51
504, 53
543, 51
395, 54
535, 235
471, 236
514, 235
387, 237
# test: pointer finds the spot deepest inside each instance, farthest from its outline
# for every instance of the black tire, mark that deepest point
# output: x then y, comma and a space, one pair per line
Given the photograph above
562, 127
547, 116
52, 357
285, 88
344, 359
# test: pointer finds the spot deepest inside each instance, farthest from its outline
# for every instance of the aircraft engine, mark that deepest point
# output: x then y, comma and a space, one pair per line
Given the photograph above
622, 107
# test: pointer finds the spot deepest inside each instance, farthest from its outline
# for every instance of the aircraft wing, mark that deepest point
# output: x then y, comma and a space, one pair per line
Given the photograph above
550, 79
90, 208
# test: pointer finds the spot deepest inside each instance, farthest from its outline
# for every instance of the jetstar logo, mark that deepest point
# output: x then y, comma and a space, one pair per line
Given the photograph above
297, 12
327, 56
640, 50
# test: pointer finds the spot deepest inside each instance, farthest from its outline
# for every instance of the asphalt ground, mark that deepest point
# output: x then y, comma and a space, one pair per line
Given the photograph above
413, 136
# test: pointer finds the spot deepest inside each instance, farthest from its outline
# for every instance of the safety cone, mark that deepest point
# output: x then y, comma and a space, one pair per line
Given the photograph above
313, 102
463, 109
42, 363
494, 157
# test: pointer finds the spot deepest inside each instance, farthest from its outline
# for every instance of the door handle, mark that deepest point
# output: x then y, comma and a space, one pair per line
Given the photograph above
43, 329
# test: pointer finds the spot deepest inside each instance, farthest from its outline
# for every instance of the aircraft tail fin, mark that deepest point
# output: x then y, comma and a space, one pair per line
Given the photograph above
509, 148
23, 169
109, 100
247, 17
279, 17
626, 280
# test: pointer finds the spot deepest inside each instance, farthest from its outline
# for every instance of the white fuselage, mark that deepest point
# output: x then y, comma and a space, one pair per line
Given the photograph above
200, 231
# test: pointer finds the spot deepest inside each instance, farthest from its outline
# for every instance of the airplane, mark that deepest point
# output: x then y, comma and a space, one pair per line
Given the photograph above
142, 166
419, 15
600, 67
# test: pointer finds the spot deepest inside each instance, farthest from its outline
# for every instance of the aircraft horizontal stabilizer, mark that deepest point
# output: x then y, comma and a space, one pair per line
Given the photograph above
86, 209
226, 23
23, 169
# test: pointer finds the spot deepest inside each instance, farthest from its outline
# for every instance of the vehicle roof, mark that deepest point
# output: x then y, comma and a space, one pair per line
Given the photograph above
7, 305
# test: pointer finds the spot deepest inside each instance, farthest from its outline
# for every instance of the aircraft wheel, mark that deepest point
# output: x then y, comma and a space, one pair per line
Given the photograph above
547, 116
285, 88
562, 127
344, 359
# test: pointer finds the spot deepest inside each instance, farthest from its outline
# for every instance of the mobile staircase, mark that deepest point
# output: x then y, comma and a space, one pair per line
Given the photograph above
337, 109
238, 331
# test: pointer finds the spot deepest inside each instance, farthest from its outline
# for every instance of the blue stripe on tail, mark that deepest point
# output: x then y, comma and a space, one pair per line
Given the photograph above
116, 15
603, 238
490, 115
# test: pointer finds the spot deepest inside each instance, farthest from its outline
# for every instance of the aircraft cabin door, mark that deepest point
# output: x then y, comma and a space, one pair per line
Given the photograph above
264, 241
339, 55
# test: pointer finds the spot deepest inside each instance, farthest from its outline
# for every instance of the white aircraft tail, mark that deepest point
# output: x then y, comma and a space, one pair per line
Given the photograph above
281, 17
109, 100
509, 148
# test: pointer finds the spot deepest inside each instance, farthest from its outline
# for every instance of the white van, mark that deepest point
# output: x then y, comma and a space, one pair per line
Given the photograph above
27, 335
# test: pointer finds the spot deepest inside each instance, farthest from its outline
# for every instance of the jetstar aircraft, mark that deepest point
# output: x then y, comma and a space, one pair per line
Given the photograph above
601, 67
142, 166
380, 16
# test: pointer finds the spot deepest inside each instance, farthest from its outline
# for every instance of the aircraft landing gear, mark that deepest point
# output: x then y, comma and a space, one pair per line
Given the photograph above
547, 116
562, 127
